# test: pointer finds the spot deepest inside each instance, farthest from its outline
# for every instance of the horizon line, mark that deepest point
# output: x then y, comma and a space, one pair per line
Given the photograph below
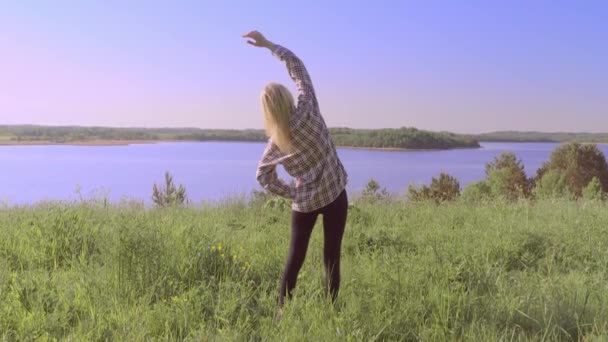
261, 129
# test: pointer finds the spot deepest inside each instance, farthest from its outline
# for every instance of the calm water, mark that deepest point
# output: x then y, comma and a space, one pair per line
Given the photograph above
212, 171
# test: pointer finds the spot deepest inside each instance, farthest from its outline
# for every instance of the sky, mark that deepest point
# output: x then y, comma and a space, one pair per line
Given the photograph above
461, 66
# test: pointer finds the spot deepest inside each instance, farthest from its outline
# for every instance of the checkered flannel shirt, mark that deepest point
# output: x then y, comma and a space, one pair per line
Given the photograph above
314, 162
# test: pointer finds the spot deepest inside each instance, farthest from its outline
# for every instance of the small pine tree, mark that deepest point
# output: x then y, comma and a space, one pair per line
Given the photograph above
169, 195
371, 188
373, 191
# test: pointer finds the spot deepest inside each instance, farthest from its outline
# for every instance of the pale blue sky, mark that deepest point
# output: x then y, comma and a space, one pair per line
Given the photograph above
464, 66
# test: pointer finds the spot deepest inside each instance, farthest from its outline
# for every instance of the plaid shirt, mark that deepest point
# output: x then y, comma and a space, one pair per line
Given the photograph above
320, 176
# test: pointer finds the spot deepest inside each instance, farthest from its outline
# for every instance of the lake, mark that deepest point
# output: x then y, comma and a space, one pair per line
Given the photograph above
219, 170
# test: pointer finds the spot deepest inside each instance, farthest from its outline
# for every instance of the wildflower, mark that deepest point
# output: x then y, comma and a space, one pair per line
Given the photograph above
219, 246
222, 255
213, 248
234, 257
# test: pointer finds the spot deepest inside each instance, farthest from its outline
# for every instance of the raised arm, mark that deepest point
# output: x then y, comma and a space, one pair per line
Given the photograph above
298, 73
295, 67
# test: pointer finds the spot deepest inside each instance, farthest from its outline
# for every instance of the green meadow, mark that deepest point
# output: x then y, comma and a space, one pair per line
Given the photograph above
492, 271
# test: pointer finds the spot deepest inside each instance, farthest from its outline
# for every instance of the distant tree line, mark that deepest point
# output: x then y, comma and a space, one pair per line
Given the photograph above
62, 134
401, 138
511, 136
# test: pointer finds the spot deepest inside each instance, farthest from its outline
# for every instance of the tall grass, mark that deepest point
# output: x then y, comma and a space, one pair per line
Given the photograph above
411, 271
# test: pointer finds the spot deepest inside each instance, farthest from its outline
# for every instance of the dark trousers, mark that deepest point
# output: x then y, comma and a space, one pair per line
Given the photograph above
334, 220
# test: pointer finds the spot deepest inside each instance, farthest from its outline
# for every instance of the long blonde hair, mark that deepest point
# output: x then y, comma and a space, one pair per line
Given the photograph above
277, 105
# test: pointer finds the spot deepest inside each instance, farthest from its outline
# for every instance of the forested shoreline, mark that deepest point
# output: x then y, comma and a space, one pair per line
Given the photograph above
400, 138
555, 137
390, 138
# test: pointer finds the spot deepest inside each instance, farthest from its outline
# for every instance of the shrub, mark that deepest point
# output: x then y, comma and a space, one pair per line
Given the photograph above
418, 193
442, 189
373, 191
552, 184
169, 195
278, 203
593, 190
507, 178
477, 192
445, 188
574, 165
259, 197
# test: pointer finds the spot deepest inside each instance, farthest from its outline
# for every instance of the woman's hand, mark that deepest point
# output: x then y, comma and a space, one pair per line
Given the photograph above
257, 39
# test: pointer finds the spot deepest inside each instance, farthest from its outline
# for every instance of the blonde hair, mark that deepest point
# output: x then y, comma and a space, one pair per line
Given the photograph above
277, 105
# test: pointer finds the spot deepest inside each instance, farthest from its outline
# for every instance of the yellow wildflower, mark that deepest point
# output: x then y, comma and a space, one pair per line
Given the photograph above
213, 248
219, 246
222, 255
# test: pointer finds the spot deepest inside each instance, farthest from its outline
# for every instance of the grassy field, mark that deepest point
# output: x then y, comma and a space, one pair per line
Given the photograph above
480, 272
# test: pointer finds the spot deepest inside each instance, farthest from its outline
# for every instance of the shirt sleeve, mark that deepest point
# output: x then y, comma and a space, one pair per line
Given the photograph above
298, 73
267, 173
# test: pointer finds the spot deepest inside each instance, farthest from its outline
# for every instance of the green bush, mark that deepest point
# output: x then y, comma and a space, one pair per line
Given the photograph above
551, 185
418, 193
573, 166
442, 189
259, 198
278, 203
507, 178
593, 190
477, 192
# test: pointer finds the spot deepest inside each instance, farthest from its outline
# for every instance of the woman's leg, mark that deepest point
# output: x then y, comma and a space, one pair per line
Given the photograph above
301, 228
334, 221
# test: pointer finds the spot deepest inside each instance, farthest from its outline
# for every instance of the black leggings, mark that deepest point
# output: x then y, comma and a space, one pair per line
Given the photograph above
334, 220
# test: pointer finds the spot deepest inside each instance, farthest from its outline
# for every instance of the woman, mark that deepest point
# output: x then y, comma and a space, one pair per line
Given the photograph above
300, 141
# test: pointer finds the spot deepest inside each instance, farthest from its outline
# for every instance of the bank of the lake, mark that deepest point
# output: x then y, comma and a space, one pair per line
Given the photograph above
78, 142
398, 138
136, 142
